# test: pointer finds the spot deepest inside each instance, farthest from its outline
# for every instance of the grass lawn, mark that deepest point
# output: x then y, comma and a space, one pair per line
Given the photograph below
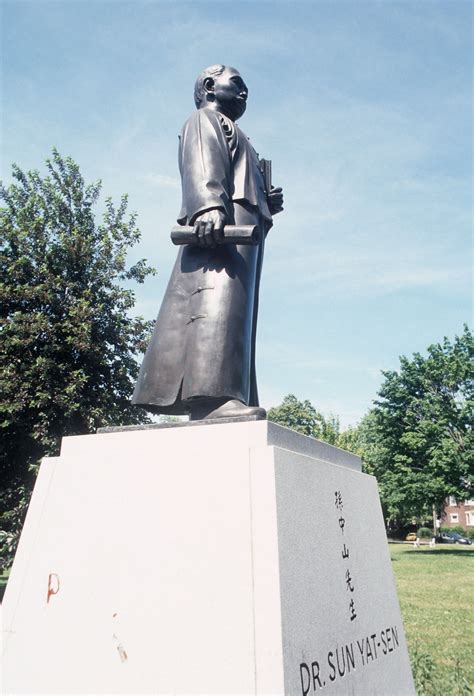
436, 593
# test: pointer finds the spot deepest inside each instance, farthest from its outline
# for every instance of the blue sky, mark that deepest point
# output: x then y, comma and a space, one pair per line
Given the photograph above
365, 109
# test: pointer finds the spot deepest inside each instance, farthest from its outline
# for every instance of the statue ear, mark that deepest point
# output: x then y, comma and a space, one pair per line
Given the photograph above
208, 85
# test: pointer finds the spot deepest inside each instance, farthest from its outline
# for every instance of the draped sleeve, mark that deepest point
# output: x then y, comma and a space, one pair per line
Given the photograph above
205, 164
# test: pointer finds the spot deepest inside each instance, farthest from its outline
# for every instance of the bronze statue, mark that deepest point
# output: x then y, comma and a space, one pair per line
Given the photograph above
201, 357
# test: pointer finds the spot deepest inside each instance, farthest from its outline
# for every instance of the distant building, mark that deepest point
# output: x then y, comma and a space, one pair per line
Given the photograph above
458, 514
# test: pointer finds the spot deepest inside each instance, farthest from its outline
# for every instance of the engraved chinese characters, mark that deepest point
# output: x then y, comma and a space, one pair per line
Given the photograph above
339, 504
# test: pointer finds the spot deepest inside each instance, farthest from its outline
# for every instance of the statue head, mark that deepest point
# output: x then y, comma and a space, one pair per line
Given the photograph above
221, 88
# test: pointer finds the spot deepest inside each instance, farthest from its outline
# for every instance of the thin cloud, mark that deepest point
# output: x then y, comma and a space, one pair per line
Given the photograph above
284, 354
328, 269
162, 180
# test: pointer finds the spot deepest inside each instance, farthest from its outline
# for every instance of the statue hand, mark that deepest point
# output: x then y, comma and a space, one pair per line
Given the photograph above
208, 227
275, 200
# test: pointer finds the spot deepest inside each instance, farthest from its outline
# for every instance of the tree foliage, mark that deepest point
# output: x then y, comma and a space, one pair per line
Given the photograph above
69, 345
304, 418
363, 440
418, 439
422, 429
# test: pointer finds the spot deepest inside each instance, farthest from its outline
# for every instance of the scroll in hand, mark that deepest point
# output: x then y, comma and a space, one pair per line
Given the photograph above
208, 227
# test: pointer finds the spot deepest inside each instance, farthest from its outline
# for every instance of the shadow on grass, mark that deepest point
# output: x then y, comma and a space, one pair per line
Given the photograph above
441, 552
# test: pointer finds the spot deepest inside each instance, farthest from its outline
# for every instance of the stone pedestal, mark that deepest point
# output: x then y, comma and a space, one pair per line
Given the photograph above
230, 558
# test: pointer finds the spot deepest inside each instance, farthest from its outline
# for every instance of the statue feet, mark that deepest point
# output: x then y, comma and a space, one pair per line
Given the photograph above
229, 409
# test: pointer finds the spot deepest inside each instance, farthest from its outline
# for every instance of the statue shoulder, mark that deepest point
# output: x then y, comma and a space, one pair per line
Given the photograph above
208, 118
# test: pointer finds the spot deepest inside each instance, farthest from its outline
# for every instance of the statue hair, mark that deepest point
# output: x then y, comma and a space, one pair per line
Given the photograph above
199, 91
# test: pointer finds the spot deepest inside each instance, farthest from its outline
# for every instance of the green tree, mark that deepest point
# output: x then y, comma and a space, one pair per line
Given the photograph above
422, 429
69, 345
362, 439
304, 418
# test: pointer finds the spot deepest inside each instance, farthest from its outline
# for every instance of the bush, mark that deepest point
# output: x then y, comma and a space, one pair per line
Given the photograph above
449, 530
425, 533
470, 534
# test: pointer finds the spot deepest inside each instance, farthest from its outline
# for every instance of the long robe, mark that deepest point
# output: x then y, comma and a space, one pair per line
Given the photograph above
203, 345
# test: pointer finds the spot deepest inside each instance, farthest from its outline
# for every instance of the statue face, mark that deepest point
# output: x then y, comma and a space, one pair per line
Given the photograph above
230, 93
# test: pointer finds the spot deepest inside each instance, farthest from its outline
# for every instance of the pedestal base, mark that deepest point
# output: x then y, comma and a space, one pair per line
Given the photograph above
235, 558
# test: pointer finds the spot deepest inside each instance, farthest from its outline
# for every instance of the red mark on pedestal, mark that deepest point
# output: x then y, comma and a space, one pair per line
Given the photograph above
121, 650
122, 653
53, 586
